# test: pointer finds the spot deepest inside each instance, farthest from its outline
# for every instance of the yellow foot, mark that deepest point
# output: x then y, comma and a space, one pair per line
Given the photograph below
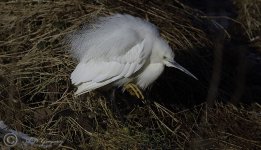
134, 90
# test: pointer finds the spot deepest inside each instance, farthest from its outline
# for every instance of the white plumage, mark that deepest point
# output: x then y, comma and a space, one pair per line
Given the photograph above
117, 50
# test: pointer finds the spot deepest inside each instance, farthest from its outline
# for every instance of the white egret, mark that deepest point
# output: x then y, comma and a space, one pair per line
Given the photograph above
118, 50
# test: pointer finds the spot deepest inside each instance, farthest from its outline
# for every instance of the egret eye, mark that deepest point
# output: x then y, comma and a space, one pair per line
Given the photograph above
164, 57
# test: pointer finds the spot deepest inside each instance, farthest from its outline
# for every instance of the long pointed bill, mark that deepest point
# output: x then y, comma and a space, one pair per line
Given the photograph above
178, 66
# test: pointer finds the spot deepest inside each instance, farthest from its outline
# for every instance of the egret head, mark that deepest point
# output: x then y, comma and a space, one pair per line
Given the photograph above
167, 56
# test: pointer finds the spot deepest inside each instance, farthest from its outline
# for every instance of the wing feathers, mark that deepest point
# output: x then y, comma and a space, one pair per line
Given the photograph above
131, 70
89, 86
97, 72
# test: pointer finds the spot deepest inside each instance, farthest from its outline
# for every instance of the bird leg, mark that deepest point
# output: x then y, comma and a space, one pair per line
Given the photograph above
133, 90
113, 99
114, 105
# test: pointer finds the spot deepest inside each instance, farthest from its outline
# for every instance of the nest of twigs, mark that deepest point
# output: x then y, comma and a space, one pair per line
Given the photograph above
37, 97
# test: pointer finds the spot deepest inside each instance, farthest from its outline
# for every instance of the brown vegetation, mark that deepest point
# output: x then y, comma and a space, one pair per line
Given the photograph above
37, 96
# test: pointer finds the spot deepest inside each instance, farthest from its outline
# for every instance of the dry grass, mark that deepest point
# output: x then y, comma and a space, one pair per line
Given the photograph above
249, 12
249, 15
36, 93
